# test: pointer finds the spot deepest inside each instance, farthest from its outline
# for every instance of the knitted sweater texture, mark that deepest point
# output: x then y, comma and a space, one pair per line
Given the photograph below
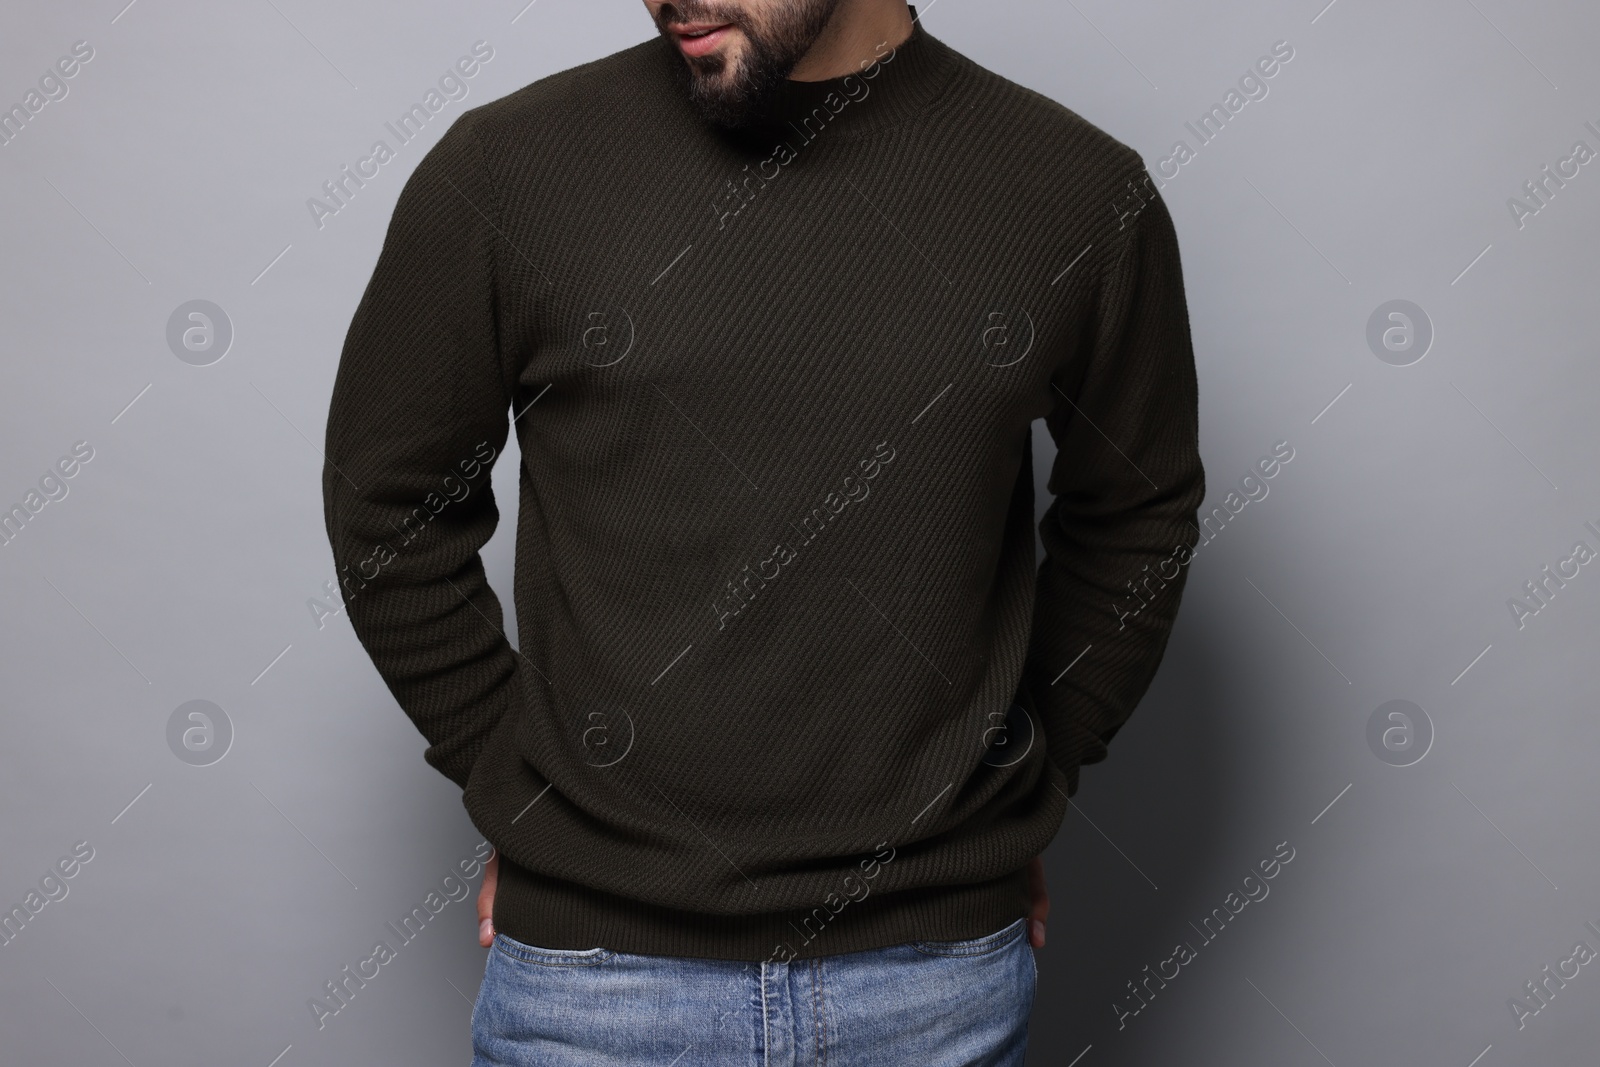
792, 681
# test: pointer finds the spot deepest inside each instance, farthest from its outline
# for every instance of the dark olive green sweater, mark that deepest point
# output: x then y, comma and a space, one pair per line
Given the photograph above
791, 679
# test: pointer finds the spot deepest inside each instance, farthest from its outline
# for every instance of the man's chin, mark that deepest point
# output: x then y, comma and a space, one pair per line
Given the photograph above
721, 103
733, 116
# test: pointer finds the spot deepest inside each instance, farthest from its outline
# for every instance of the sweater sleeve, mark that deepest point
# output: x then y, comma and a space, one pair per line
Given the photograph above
1125, 485
417, 416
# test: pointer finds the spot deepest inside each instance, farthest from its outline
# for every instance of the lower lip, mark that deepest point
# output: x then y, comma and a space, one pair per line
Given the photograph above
699, 46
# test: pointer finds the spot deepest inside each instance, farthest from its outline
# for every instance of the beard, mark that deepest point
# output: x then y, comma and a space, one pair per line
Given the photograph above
731, 88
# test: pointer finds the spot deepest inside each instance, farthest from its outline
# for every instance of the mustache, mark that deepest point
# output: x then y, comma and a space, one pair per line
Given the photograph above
692, 11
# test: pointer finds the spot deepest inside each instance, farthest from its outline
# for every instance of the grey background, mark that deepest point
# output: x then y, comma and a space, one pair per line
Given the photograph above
180, 564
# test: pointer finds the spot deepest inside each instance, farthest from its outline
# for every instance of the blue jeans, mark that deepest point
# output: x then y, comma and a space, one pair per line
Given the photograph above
925, 1003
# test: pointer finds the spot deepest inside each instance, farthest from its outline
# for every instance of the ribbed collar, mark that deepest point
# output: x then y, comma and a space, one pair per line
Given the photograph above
905, 81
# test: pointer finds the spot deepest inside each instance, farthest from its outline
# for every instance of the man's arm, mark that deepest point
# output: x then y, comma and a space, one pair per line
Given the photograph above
417, 416
1126, 483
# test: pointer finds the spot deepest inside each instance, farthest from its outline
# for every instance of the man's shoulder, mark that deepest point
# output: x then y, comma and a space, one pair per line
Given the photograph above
580, 95
1040, 131
1044, 162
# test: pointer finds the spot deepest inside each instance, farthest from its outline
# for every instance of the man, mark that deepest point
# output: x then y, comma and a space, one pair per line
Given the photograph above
772, 300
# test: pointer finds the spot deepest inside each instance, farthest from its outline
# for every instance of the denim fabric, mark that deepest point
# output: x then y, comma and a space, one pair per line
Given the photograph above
922, 1004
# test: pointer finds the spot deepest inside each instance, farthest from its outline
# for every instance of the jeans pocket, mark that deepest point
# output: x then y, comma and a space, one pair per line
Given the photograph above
551, 957
974, 946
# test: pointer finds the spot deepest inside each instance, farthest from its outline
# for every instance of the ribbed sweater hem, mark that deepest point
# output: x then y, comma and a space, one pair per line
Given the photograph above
552, 913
